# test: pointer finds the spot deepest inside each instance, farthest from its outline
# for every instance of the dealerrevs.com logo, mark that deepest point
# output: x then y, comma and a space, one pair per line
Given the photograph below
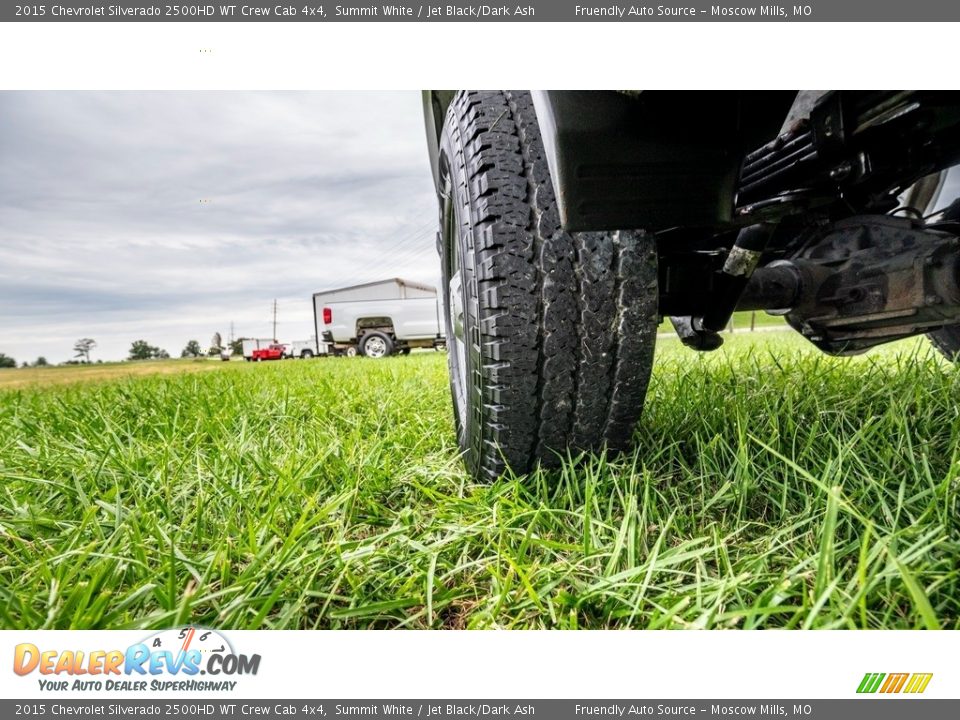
890, 683
169, 660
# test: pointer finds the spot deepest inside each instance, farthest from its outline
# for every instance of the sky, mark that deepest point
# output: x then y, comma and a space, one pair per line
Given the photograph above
167, 216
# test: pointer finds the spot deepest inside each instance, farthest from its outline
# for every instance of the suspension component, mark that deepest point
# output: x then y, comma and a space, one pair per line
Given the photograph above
739, 265
867, 281
693, 335
853, 143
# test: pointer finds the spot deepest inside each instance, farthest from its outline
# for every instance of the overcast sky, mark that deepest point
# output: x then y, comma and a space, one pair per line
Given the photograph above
165, 216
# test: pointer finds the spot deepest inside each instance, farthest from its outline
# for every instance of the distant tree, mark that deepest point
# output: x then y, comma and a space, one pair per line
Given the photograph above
7, 362
161, 354
216, 345
191, 350
24, 364
236, 346
142, 350
41, 362
82, 348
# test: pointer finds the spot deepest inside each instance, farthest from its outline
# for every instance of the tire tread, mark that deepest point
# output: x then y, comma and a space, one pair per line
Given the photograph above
567, 320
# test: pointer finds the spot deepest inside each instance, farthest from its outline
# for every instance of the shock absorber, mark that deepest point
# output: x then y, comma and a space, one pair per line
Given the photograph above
733, 278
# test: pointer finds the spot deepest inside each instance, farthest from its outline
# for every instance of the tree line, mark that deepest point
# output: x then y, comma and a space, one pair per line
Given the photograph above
139, 350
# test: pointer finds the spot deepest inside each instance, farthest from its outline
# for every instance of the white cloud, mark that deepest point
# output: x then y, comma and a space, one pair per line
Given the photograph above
166, 216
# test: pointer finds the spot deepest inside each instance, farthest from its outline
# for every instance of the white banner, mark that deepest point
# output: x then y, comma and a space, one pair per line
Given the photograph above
558, 664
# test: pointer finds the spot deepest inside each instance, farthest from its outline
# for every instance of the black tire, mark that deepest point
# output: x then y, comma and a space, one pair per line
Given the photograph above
375, 344
550, 334
306, 354
404, 351
947, 341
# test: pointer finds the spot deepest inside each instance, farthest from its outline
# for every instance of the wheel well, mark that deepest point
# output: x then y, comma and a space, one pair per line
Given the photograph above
651, 160
381, 324
435, 104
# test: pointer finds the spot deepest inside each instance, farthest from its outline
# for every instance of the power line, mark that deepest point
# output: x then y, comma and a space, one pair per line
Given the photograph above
415, 236
423, 246
394, 262
415, 245
397, 267
405, 244
432, 225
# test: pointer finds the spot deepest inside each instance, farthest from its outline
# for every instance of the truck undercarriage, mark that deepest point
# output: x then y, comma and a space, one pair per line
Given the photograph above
616, 209
838, 236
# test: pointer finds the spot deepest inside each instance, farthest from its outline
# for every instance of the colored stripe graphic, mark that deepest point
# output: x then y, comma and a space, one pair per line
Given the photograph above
870, 682
918, 682
894, 683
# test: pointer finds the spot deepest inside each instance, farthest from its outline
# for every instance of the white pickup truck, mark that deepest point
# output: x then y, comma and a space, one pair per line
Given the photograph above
381, 318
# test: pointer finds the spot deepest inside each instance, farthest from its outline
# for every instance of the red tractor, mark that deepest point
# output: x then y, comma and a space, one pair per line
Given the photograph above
271, 352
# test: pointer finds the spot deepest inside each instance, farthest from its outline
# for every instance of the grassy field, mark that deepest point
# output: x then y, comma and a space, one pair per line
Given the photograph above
740, 322
70, 374
773, 488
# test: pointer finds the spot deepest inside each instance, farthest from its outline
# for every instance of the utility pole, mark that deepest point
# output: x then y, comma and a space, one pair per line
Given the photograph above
231, 332
275, 320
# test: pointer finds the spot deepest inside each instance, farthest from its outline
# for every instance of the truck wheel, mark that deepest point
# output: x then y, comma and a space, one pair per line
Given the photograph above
947, 341
404, 351
350, 351
550, 334
376, 345
306, 354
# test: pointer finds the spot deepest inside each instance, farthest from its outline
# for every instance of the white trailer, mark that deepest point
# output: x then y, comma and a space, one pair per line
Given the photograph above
251, 344
380, 318
308, 348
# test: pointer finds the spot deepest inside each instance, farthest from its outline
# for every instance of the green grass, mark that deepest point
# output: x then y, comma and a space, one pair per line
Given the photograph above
774, 488
740, 321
